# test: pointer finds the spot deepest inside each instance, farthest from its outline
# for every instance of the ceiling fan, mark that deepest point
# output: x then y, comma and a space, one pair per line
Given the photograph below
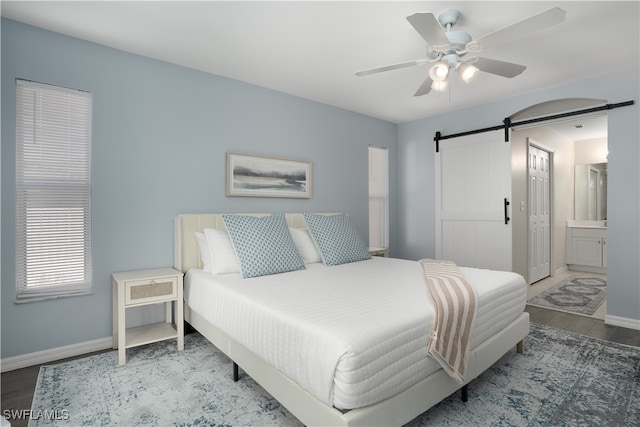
453, 50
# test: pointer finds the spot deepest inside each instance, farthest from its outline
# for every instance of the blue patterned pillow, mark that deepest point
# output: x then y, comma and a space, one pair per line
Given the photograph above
263, 245
336, 238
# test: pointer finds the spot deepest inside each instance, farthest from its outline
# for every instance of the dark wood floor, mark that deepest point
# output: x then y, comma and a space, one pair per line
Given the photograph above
18, 386
584, 325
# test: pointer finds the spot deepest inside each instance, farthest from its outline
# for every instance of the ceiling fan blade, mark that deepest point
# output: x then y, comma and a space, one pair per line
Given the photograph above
429, 29
529, 25
425, 88
500, 68
392, 67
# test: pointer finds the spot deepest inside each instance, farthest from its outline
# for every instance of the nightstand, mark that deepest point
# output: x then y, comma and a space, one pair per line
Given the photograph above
383, 252
144, 287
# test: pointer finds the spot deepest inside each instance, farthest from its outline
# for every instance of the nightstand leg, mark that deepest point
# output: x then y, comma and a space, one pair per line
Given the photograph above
168, 316
180, 315
180, 327
114, 314
122, 350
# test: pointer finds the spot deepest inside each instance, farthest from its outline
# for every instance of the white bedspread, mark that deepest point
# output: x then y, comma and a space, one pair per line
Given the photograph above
352, 334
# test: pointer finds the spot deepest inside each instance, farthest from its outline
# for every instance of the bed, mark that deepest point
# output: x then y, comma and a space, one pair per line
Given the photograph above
364, 373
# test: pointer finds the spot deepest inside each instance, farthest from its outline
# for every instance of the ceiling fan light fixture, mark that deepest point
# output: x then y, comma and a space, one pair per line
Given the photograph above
439, 71
440, 86
467, 71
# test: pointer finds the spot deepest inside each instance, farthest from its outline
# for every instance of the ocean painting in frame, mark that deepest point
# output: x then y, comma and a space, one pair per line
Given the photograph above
250, 175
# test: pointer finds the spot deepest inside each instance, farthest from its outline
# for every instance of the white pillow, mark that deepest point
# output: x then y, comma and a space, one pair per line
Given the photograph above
205, 253
223, 257
305, 245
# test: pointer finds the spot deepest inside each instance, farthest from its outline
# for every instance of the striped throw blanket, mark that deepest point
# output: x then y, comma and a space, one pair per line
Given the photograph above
455, 308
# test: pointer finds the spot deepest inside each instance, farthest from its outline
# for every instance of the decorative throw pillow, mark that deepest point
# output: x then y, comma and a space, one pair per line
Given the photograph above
263, 244
336, 238
223, 257
305, 246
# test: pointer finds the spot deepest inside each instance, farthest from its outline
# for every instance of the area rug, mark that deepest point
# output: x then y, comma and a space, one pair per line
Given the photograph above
582, 295
562, 379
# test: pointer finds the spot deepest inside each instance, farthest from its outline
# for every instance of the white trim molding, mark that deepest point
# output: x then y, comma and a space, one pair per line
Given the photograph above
624, 322
560, 270
45, 356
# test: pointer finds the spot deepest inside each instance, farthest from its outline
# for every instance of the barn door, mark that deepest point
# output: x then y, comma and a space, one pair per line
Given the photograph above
473, 195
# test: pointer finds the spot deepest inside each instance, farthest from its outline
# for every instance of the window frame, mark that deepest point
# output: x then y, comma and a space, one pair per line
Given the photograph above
53, 191
378, 197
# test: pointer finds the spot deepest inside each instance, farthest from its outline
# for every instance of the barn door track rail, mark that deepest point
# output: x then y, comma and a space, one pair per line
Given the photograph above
507, 123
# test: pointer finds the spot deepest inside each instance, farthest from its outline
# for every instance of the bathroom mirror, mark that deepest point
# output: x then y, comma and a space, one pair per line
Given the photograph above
591, 192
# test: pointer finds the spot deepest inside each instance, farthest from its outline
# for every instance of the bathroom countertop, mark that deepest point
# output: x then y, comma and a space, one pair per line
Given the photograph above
587, 224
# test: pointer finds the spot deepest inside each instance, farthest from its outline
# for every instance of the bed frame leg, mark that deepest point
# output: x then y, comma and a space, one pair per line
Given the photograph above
236, 375
520, 347
464, 392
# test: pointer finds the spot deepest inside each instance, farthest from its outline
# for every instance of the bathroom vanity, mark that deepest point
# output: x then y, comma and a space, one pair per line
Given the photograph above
587, 246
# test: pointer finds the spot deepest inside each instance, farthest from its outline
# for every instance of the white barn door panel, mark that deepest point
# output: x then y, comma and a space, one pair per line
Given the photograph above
473, 179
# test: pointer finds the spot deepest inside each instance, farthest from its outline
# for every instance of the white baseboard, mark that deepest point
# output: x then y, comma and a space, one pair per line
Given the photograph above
560, 270
45, 356
587, 268
624, 322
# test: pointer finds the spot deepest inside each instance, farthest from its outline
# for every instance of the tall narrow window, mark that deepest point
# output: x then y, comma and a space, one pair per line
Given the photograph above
53, 191
378, 197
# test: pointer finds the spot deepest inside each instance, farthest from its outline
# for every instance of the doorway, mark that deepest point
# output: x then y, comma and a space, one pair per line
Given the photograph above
541, 122
563, 137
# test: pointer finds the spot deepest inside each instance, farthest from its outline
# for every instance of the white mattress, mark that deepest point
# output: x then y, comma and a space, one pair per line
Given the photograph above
352, 335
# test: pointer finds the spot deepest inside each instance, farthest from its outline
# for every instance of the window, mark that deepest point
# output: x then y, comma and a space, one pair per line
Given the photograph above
378, 197
53, 191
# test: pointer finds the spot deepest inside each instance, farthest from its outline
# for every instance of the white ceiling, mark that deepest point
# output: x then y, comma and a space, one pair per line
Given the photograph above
313, 49
582, 128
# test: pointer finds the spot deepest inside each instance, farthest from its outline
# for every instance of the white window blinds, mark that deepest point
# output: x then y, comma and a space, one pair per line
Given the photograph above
378, 197
53, 190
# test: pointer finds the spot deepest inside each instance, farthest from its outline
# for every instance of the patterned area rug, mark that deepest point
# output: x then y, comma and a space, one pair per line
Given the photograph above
582, 295
563, 379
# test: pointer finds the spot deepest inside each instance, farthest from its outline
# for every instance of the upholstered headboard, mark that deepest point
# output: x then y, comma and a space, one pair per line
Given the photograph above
186, 251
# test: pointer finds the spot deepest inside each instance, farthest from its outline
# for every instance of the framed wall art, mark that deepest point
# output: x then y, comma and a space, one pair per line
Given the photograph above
250, 175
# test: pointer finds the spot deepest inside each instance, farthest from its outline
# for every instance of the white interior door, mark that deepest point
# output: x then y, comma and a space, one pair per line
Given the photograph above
539, 214
473, 187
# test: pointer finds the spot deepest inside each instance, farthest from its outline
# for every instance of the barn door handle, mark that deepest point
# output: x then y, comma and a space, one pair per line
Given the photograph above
506, 212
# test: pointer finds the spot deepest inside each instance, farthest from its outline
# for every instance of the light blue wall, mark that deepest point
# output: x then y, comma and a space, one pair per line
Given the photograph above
160, 134
416, 217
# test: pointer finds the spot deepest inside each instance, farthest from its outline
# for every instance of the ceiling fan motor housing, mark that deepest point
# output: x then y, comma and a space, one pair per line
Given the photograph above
458, 40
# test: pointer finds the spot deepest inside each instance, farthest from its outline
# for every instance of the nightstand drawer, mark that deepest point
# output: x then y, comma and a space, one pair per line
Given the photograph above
148, 291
